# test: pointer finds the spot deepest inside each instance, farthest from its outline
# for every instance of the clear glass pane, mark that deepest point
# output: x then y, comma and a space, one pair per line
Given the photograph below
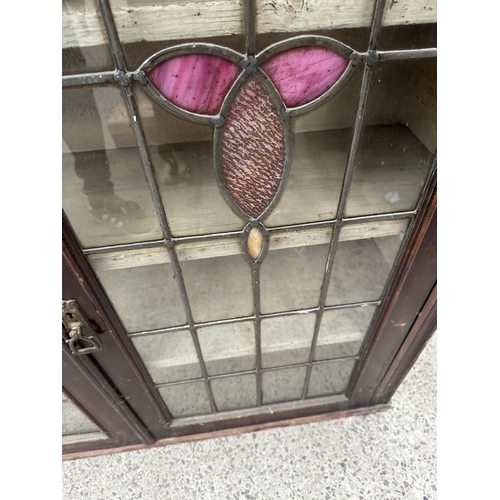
145, 27
182, 154
105, 193
286, 340
319, 156
145, 294
361, 267
228, 348
283, 385
235, 393
330, 378
398, 141
416, 36
342, 332
186, 400
218, 287
409, 12
84, 40
169, 357
292, 272
75, 422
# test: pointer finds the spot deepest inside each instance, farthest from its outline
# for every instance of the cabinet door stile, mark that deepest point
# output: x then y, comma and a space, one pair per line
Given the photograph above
118, 359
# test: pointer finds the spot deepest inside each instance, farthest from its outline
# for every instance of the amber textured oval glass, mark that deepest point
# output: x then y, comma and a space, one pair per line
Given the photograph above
105, 193
398, 140
142, 288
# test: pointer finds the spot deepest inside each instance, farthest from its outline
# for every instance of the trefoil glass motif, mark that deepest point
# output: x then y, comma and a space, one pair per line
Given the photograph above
250, 101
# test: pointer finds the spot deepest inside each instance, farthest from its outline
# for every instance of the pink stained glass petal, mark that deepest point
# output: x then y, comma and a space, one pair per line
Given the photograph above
195, 82
304, 73
253, 149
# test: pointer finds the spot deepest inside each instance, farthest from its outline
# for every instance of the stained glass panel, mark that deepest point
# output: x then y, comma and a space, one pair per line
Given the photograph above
195, 82
302, 74
253, 149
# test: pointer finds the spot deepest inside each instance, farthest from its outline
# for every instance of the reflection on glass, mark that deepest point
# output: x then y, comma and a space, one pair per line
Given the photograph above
84, 41
186, 400
105, 193
286, 340
169, 357
228, 348
218, 288
398, 142
74, 421
361, 268
182, 155
146, 297
342, 332
283, 385
291, 274
330, 378
319, 155
234, 393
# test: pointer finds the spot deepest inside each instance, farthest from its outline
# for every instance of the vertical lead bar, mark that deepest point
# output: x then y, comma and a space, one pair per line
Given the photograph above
109, 24
153, 186
257, 322
250, 14
358, 124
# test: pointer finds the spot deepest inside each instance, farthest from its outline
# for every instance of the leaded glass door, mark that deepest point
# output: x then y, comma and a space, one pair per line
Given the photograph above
243, 194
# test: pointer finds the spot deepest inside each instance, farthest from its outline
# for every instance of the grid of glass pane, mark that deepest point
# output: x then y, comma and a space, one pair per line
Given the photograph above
230, 323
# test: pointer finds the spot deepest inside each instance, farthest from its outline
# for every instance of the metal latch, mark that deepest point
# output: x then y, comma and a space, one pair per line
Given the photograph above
83, 338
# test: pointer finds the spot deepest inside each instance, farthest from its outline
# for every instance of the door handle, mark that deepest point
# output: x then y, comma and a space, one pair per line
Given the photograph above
83, 339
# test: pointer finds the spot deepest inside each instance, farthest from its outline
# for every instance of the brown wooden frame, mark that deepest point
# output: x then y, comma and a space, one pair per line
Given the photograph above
405, 322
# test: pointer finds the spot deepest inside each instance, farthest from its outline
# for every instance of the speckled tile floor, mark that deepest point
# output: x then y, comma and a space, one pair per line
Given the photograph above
388, 455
